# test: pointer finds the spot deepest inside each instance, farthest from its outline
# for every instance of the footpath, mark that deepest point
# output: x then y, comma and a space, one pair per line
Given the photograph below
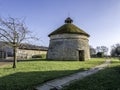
4, 62
59, 83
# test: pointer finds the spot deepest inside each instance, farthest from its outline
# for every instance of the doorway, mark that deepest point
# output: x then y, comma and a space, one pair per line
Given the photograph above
81, 55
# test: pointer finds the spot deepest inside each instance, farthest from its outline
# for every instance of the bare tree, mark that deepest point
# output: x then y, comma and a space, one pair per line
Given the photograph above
115, 51
92, 51
13, 32
102, 50
98, 49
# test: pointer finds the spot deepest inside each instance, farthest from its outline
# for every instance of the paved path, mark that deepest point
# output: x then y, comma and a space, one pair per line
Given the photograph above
4, 62
57, 84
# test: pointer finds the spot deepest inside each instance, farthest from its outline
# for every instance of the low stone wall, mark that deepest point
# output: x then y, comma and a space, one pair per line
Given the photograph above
26, 54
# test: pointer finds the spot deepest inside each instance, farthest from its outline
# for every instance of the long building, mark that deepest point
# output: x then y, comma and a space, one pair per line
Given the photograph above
25, 51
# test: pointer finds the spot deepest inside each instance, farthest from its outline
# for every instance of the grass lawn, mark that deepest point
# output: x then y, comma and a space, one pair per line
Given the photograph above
29, 74
107, 79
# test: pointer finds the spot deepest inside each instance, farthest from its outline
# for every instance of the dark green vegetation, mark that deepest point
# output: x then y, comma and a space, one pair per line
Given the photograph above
107, 79
115, 52
27, 75
43, 56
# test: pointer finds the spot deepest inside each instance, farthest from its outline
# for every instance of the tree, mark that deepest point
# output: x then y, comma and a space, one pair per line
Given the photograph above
118, 50
101, 50
104, 49
92, 51
98, 49
100, 54
13, 32
115, 51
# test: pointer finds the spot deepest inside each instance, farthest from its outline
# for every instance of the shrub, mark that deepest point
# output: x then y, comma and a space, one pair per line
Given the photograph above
43, 56
100, 54
37, 56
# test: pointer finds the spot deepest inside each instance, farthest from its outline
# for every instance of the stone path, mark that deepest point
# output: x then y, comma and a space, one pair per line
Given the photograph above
57, 84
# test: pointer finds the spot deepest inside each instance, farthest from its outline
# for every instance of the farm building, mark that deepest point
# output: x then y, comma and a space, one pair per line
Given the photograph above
25, 51
68, 42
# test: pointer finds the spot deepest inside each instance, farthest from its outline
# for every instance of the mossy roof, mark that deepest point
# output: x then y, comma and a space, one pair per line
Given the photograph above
69, 28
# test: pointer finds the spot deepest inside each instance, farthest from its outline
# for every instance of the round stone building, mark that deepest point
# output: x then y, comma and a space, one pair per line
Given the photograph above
68, 43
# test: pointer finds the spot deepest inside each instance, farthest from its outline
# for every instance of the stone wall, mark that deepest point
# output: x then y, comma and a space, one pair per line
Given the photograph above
67, 46
23, 53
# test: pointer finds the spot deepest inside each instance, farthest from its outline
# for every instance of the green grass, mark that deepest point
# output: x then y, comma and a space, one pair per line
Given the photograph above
29, 74
107, 79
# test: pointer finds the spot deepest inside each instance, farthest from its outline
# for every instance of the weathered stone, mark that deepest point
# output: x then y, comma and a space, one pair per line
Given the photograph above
67, 45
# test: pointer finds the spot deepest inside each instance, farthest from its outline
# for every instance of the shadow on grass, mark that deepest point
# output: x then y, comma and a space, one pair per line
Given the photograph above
28, 80
107, 79
116, 62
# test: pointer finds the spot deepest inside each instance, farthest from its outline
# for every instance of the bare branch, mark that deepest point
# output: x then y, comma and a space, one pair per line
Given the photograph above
4, 36
7, 33
13, 31
6, 24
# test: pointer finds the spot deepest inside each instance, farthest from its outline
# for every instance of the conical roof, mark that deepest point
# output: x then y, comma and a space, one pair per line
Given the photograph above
69, 28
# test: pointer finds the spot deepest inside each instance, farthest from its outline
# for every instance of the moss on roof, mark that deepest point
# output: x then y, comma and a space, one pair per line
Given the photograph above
69, 28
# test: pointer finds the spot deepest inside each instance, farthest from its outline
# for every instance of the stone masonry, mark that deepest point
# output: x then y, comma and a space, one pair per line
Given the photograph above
68, 45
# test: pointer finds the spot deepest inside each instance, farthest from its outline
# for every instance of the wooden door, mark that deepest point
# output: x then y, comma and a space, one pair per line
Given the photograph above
81, 55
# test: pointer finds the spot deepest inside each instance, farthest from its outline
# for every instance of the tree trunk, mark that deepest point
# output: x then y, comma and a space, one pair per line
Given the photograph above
14, 57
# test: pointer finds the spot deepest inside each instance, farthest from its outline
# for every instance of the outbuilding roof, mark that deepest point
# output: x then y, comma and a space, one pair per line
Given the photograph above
69, 28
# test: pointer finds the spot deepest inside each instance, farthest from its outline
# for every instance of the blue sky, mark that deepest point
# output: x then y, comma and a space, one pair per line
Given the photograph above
99, 18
